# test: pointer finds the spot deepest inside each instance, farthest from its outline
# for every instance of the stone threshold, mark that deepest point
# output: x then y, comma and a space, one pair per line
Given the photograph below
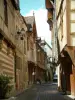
69, 97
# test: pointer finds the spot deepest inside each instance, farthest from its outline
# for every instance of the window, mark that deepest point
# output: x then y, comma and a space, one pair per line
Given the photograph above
72, 4
0, 44
5, 13
72, 15
18, 62
24, 47
1, 39
72, 40
8, 49
72, 27
17, 2
39, 54
74, 54
27, 43
32, 53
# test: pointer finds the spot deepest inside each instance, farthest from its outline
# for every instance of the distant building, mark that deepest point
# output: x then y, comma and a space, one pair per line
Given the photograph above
31, 47
41, 62
51, 18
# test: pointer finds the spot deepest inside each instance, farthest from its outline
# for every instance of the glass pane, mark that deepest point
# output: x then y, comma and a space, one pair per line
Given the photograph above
72, 16
72, 40
72, 4
72, 27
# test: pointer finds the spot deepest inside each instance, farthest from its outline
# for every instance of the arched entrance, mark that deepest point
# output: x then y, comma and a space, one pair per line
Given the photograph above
66, 71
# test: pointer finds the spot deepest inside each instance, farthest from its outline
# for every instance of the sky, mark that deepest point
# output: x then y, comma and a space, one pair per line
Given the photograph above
38, 6
27, 5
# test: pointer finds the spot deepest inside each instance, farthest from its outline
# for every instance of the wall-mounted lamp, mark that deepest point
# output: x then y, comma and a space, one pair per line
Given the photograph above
38, 39
38, 50
21, 33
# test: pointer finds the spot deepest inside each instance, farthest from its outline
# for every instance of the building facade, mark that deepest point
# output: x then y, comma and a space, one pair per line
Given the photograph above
31, 47
41, 62
51, 15
18, 48
7, 40
13, 44
21, 52
64, 13
36, 54
51, 21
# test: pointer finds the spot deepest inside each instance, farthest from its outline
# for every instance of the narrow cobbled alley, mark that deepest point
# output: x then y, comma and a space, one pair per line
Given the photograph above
41, 92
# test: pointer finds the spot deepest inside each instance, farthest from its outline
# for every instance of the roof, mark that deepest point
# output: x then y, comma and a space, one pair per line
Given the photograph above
40, 47
30, 21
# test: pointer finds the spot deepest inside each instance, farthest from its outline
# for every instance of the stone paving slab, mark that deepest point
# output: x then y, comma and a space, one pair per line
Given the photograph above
49, 93
41, 92
69, 97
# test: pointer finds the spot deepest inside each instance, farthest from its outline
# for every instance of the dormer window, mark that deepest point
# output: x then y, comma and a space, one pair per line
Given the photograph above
1, 40
5, 13
15, 4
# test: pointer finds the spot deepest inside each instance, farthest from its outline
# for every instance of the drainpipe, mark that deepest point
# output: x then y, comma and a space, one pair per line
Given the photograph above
55, 32
56, 43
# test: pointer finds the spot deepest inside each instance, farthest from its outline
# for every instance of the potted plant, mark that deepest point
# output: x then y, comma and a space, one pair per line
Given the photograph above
5, 86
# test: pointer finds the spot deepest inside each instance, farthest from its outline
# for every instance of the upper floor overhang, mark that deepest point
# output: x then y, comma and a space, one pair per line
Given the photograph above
49, 16
16, 4
50, 7
50, 19
49, 4
50, 22
50, 13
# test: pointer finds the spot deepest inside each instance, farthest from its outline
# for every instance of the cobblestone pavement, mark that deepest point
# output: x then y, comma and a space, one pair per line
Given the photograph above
41, 92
